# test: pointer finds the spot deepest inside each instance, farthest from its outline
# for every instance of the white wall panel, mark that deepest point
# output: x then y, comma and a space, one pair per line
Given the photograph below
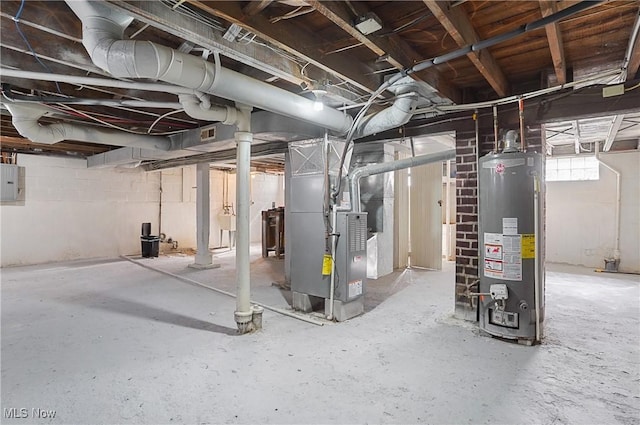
581, 216
71, 212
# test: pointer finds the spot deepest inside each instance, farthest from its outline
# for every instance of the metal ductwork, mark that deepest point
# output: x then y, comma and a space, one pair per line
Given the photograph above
385, 167
200, 110
25, 119
102, 30
394, 116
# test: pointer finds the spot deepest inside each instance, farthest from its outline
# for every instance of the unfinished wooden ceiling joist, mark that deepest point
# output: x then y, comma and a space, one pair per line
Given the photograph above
302, 45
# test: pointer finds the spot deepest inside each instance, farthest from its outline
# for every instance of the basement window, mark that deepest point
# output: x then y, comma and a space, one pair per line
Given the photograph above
572, 169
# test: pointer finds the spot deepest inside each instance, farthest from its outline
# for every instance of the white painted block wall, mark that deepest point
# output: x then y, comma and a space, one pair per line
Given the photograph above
581, 216
265, 190
71, 212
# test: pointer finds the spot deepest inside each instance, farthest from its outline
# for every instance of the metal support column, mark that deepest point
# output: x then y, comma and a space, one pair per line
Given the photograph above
244, 313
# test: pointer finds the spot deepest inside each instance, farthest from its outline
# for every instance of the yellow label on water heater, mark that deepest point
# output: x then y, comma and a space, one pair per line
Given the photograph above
528, 246
326, 265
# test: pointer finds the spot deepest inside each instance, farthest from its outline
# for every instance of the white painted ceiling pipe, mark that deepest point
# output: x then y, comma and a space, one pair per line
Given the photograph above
25, 119
394, 116
93, 81
241, 88
102, 30
384, 167
197, 109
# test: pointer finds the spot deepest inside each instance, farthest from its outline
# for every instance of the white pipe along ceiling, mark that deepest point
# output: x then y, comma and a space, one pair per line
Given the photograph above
103, 29
25, 118
385, 167
102, 32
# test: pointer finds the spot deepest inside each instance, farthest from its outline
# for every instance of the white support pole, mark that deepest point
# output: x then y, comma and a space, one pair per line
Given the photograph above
203, 258
243, 313
447, 212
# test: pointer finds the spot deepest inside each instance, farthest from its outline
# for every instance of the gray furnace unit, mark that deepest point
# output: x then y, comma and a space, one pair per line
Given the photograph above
308, 230
511, 245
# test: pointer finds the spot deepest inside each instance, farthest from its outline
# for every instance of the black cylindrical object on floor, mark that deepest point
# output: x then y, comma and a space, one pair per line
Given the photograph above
150, 246
146, 229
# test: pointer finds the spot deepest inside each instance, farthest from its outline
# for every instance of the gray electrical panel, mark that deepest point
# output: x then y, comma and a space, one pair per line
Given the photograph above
9, 182
511, 245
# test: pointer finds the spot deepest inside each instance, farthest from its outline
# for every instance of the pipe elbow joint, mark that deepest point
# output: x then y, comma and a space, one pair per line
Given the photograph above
203, 111
232, 116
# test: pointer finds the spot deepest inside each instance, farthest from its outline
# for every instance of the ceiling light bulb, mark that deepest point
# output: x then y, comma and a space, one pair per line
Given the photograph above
318, 105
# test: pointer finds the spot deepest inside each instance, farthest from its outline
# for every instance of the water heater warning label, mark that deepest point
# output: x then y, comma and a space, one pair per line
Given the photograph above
492, 251
503, 256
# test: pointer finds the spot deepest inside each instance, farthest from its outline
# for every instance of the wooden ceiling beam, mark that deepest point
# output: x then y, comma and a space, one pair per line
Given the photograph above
589, 104
255, 7
296, 41
75, 55
459, 26
554, 37
396, 51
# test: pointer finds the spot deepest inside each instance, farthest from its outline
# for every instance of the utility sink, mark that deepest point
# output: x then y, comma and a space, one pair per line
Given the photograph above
227, 222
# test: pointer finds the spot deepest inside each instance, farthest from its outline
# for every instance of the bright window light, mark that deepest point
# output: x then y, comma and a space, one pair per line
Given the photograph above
572, 169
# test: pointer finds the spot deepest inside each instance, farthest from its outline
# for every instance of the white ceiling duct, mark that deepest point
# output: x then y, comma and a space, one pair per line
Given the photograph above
25, 119
102, 30
197, 109
394, 116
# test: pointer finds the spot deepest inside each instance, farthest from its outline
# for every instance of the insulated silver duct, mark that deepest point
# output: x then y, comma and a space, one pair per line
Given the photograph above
25, 119
195, 108
394, 116
385, 167
102, 30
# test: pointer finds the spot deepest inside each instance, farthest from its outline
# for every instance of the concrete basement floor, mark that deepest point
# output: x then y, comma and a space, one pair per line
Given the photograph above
112, 342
